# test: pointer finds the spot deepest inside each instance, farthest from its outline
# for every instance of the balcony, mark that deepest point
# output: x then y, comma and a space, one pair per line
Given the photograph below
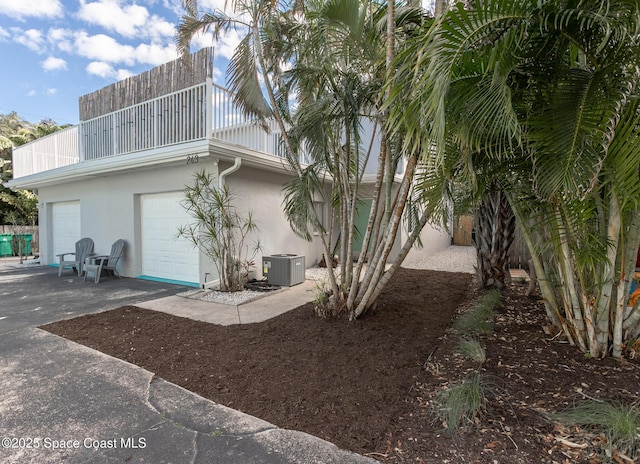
50, 152
198, 113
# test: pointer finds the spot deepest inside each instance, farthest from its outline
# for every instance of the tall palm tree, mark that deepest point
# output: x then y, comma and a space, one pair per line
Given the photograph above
550, 87
338, 54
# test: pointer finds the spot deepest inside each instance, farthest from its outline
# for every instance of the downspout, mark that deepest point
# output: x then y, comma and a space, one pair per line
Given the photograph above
221, 176
226, 172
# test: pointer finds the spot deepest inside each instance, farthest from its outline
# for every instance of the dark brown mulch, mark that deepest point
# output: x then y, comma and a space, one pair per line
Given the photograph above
368, 385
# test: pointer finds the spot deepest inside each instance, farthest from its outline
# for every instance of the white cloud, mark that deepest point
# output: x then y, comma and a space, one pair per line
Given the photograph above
61, 38
218, 76
31, 93
51, 91
201, 40
4, 34
105, 49
21, 9
106, 71
101, 47
211, 5
155, 54
54, 64
174, 5
31, 38
125, 20
227, 43
158, 28
130, 21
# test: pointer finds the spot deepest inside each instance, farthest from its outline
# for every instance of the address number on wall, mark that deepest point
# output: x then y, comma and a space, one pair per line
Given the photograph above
192, 159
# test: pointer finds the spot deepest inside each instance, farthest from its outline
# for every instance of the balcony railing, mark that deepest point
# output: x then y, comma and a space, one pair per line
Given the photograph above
53, 151
193, 114
178, 117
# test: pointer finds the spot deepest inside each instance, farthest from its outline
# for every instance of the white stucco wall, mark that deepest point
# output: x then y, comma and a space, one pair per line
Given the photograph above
261, 192
110, 209
434, 239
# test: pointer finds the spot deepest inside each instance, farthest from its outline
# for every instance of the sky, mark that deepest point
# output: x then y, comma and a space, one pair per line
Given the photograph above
54, 51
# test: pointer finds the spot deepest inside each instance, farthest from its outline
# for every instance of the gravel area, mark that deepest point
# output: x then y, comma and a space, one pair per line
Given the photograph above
215, 296
453, 259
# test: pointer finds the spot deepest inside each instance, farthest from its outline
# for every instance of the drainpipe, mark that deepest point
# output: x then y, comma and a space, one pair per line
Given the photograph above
226, 172
236, 165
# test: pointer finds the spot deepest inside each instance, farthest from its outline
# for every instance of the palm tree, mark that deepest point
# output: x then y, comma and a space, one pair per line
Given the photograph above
545, 92
339, 54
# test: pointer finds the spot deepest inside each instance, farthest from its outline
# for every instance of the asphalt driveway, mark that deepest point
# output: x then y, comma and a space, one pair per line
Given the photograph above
34, 296
64, 402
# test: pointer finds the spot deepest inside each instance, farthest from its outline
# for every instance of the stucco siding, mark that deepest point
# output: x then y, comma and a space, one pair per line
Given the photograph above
261, 192
110, 209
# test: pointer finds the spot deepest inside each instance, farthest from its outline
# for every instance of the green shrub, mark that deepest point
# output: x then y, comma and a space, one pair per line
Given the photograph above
219, 230
471, 348
491, 300
477, 321
460, 403
618, 422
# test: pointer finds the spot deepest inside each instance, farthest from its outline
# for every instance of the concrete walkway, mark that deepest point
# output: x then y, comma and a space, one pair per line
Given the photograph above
268, 306
63, 402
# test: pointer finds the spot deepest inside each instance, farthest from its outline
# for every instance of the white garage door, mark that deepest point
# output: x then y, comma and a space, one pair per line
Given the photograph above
163, 255
65, 227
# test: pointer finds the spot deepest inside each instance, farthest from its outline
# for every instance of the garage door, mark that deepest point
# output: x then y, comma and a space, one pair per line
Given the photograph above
163, 255
65, 227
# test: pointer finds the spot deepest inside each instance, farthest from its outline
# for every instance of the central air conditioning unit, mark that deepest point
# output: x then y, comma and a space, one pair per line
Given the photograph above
285, 270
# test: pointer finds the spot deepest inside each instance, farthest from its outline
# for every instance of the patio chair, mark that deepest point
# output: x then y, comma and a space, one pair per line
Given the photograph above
84, 247
97, 264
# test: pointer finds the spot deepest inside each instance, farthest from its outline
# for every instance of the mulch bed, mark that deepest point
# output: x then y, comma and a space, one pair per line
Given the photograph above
368, 385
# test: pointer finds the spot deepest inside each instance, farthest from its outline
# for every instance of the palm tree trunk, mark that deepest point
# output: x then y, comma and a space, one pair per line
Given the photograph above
548, 295
376, 266
495, 228
424, 217
441, 7
573, 309
292, 154
370, 232
599, 345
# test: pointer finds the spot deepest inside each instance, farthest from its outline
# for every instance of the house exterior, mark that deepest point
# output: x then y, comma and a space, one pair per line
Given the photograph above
122, 171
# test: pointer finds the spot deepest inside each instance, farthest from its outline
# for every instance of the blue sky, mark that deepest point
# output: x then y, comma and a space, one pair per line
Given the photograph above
54, 51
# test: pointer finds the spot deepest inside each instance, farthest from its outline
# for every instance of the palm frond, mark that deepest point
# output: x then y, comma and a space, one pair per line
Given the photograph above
296, 206
244, 80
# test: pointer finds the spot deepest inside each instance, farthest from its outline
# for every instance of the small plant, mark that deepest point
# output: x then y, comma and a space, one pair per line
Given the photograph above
477, 321
220, 231
460, 403
490, 300
471, 348
325, 303
618, 422
320, 297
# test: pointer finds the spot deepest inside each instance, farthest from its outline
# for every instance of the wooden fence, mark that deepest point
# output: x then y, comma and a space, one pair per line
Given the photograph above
35, 238
519, 255
463, 235
162, 80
